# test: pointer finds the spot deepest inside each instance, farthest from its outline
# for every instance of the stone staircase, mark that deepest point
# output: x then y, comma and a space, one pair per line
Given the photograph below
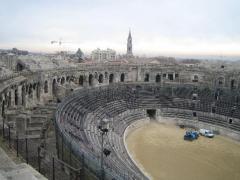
36, 119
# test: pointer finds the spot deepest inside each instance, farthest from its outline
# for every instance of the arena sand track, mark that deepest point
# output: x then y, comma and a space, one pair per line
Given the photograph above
161, 152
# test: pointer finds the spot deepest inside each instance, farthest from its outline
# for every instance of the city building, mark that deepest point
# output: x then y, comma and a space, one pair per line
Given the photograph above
99, 55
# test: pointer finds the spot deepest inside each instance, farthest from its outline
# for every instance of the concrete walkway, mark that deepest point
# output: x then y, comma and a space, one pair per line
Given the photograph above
13, 171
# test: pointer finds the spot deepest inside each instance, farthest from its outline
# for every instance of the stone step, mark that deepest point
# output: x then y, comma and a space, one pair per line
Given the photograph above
33, 136
34, 129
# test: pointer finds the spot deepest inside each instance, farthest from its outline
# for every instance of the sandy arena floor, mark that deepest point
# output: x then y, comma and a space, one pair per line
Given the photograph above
161, 152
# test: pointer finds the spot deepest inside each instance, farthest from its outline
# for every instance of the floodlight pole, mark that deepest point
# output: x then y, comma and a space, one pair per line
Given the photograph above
103, 130
102, 141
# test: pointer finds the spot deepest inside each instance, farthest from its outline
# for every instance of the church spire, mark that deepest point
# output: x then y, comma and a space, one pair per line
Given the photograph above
129, 45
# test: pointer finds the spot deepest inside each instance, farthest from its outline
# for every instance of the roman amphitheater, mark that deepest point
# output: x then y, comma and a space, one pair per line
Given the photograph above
76, 116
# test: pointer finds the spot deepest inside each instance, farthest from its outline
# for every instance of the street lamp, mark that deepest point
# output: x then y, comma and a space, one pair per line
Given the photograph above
104, 128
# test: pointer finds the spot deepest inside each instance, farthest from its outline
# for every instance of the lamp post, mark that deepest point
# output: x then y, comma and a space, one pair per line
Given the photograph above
104, 128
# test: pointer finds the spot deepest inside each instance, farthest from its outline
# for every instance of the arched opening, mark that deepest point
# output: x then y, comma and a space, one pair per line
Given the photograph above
194, 114
213, 109
90, 79
62, 80
170, 77
3, 109
19, 67
111, 77
46, 87
151, 113
195, 78
30, 91
72, 78
16, 97
23, 95
158, 78
122, 78
220, 81
54, 88
68, 79
146, 79
34, 86
100, 78
233, 84
80, 81
38, 90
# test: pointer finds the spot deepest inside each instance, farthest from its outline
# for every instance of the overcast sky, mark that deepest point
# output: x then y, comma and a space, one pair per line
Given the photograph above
159, 27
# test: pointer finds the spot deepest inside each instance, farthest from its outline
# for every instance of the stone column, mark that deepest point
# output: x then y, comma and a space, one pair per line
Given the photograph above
19, 95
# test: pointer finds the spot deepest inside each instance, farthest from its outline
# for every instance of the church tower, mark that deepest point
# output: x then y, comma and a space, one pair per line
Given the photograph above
129, 45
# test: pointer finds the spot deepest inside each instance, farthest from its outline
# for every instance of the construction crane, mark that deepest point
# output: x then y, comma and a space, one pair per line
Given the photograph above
60, 42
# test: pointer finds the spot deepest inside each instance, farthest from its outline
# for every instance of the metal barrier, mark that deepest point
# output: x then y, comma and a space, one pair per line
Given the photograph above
48, 164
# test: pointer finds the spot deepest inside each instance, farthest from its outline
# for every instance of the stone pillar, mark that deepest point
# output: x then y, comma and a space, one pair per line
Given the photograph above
105, 79
116, 77
21, 125
85, 81
19, 95
13, 97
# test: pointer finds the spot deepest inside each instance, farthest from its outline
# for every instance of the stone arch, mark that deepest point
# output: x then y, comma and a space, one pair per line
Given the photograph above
122, 77
20, 67
220, 81
195, 78
30, 91
38, 90
90, 79
46, 86
54, 87
34, 86
58, 80
3, 108
62, 80
23, 95
68, 78
111, 78
146, 78
233, 84
80, 80
158, 78
16, 96
100, 78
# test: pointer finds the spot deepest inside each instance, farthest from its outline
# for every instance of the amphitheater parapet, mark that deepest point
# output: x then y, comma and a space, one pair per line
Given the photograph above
79, 115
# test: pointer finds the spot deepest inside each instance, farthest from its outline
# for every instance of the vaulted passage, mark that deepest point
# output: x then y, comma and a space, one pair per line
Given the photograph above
80, 80
100, 78
122, 77
54, 88
45, 87
111, 77
151, 113
16, 97
3, 109
233, 84
146, 79
158, 78
90, 79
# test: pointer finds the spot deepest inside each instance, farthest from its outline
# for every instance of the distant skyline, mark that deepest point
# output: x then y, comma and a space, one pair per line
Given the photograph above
159, 27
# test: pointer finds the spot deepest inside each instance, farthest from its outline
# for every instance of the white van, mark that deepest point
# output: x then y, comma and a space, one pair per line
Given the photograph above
206, 132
